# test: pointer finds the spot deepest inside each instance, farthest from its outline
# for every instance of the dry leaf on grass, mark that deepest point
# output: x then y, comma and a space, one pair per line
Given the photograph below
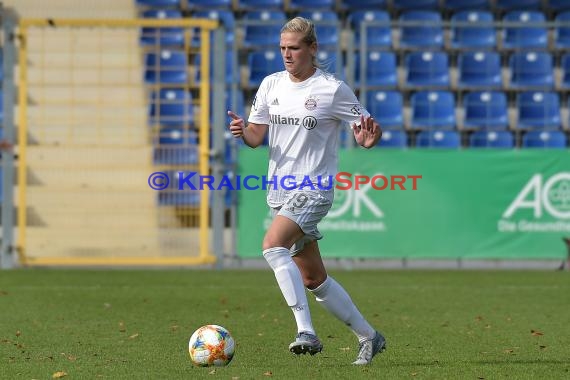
18, 333
535, 333
122, 327
268, 373
134, 336
58, 375
212, 372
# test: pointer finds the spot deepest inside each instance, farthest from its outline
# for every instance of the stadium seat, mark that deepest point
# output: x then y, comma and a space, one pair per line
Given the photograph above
185, 197
377, 35
172, 107
558, 5
427, 69
538, 110
158, 3
172, 36
381, 69
544, 139
260, 4
424, 30
562, 32
311, 5
432, 110
1, 113
438, 139
531, 70
533, 35
393, 139
565, 68
210, 4
224, 16
363, 4
479, 34
387, 108
415, 4
507, 5
485, 110
228, 72
455, 5
263, 28
479, 70
326, 25
262, 63
168, 67
176, 146
492, 139
328, 62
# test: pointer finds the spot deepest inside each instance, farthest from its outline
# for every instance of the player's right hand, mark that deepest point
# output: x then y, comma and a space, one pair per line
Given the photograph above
237, 125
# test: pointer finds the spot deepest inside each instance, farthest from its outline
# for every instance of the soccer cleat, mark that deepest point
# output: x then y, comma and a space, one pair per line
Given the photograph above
369, 348
306, 342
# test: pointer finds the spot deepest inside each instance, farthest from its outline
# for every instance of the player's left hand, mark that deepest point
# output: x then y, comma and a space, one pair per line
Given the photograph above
367, 133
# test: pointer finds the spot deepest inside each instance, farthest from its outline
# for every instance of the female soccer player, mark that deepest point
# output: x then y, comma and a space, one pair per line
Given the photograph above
302, 109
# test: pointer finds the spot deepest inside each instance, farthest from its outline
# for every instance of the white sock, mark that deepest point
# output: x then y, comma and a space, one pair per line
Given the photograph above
336, 300
290, 282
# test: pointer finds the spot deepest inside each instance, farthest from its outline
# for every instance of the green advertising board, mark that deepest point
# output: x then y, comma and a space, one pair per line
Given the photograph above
491, 204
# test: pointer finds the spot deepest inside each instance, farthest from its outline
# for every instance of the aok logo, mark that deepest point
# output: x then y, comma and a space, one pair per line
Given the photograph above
354, 201
552, 196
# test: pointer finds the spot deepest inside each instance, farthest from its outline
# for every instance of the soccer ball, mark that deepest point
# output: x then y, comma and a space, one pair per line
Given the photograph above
211, 345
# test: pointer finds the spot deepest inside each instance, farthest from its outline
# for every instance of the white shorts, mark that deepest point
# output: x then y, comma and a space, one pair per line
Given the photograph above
306, 208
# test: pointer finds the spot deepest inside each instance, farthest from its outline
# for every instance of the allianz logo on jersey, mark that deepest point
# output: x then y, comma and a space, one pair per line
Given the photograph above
542, 205
308, 122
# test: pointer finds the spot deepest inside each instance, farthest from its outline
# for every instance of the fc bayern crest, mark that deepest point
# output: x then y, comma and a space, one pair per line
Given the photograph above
311, 104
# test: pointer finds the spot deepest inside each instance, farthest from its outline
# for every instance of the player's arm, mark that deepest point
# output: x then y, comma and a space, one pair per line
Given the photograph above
252, 135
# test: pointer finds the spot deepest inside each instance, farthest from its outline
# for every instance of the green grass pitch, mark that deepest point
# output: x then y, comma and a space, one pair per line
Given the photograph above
135, 324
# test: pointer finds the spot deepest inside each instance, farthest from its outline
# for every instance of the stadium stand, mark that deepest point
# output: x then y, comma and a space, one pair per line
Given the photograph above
387, 108
544, 139
531, 70
376, 35
485, 110
473, 29
562, 30
492, 139
538, 110
533, 35
433, 110
393, 139
438, 139
481, 69
165, 37
381, 69
421, 30
427, 69
455, 5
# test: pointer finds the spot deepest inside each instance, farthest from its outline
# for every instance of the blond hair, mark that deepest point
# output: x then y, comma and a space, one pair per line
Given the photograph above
307, 29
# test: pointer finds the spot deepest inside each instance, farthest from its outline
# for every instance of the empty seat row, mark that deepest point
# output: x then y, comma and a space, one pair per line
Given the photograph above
396, 5
480, 139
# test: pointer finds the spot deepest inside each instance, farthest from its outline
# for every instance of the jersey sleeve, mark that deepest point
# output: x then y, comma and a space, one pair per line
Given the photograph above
259, 113
346, 106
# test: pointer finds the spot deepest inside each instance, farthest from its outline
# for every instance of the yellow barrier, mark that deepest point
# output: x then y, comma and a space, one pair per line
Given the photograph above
86, 147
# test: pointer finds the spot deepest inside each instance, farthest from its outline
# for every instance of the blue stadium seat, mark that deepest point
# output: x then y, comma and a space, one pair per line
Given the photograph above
328, 62
532, 35
427, 69
438, 139
507, 5
558, 5
262, 63
376, 36
479, 32
492, 139
172, 36
222, 15
228, 73
393, 139
176, 146
172, 107
562, 32
158, 3
1, 113
544, 139
260, 4
326, 25
387, 108
264, 28
363, 4
415, 4
531, 70
538, 110
309, 5
466, 4
210, 4
432, 110
381, 69
168, 67
485, 110
479, 70
185, 197
425, 30
565, 68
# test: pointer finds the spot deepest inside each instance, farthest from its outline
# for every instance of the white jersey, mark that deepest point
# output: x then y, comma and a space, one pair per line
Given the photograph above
304, 120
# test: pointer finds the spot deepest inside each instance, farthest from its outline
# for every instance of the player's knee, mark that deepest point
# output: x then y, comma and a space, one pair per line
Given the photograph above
270, 242
314, 280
